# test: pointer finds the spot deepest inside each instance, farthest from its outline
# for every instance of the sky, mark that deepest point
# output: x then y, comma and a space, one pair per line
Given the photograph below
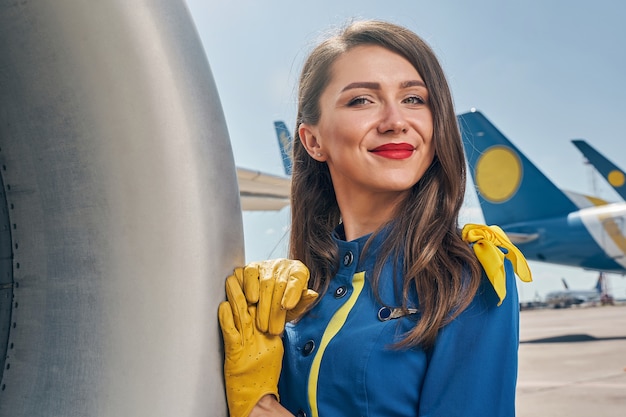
543, 71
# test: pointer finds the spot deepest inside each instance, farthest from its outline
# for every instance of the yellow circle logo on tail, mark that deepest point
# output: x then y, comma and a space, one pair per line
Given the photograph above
498, 174
616, 178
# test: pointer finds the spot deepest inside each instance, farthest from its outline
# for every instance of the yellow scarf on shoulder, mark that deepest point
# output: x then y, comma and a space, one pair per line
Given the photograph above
487, 241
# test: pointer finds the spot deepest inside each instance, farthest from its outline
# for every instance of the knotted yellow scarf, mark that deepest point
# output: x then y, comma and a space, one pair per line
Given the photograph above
487, 240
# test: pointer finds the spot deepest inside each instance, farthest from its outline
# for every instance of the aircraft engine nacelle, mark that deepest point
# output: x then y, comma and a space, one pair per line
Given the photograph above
119, 214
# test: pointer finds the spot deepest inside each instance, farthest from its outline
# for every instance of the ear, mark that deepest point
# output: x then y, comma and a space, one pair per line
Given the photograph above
308, 136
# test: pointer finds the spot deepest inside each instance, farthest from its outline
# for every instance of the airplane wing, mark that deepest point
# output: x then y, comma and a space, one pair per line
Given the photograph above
261, 191
518, 238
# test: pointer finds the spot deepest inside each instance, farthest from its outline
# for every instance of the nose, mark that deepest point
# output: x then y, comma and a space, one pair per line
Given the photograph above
392, 120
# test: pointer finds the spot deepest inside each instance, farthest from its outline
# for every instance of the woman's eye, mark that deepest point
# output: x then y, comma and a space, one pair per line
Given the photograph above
358, 101
414, 100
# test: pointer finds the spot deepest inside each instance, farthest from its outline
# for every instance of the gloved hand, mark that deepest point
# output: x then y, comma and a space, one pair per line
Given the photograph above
253, 359
280, 287
486, 243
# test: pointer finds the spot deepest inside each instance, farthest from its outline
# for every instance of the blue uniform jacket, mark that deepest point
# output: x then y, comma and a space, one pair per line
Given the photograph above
339, 360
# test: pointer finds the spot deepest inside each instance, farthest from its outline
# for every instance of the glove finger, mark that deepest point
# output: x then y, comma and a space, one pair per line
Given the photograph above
277, 314
281, 283
308, 298
251, 282
297, 282
227, 324
239, 307
277, 322
266, 294
238, 273
252, 311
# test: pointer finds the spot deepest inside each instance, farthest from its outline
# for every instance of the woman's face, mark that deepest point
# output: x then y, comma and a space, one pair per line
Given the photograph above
375, 130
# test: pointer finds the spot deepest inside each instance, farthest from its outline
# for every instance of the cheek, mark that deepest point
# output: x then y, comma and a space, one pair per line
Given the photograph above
431, 157
429, 129
336, 135
429, 142
428, 156
426, 123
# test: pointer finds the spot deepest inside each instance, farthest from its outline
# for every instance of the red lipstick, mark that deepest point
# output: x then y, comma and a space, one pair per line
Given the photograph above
394, 150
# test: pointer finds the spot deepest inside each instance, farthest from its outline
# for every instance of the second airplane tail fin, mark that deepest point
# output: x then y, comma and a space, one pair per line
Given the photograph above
611, 173
510, 188
285, 142
599, 283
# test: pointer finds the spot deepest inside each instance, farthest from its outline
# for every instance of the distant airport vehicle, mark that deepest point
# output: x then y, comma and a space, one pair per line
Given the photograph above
609, 171
547, 224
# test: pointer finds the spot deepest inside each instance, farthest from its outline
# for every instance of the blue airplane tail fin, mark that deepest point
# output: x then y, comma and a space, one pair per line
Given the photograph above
285, 142
611, 173
599, 283
510, 188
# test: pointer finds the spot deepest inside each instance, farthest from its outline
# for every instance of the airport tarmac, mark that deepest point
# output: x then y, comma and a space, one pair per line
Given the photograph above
572, 362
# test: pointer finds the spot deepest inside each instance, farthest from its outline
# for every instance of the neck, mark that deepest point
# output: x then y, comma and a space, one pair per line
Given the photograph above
362, 216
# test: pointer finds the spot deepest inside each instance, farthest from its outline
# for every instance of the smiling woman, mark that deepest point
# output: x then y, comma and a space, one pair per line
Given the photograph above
402, 314
381, 123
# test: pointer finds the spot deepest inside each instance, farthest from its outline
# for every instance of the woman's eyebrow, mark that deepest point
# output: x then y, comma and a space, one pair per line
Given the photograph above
362, 84
412, 83
376, 86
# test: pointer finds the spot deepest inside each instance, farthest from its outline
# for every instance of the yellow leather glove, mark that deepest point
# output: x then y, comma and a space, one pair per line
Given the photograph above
280, 287
253, 359
486, 243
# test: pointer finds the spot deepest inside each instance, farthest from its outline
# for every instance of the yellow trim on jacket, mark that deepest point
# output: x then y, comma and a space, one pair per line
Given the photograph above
334, 326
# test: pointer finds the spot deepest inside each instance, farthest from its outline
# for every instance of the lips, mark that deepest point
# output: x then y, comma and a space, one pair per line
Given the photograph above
394, 150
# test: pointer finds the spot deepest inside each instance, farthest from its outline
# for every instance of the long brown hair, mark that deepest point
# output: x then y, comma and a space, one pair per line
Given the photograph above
427, 233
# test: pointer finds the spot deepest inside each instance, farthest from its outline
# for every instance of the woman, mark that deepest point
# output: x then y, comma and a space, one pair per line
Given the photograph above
407, 323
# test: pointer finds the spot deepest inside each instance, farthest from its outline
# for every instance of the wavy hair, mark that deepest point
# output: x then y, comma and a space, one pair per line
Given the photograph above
438, 264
